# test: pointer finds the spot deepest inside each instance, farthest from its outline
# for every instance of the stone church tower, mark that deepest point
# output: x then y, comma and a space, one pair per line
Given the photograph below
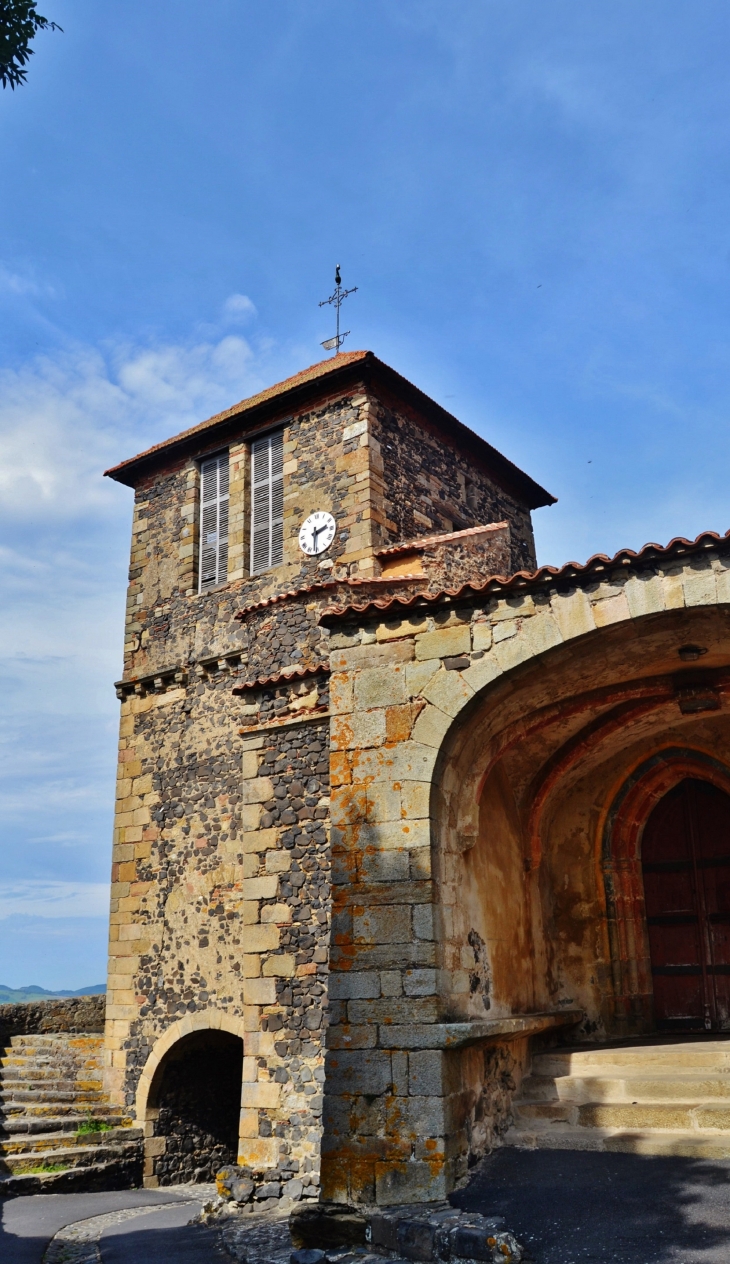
342, 484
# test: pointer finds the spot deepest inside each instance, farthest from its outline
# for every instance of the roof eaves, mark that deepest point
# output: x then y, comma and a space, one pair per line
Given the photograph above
275, 395
282, 677
447, 537
526, 581
507, 474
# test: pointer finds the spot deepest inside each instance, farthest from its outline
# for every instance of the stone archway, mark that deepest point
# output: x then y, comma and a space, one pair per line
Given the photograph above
623, 826
477, 741
189, 1099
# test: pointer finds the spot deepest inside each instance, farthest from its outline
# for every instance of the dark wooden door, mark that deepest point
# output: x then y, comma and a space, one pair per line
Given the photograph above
686, 864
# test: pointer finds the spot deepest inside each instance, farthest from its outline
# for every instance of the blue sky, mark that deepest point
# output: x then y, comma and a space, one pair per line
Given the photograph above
533, 200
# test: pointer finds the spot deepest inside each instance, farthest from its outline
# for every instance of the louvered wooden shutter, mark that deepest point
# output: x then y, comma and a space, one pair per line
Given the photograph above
214, 522
267, 502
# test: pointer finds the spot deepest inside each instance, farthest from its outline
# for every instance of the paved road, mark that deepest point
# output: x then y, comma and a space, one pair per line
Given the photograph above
28, 1224
570, 1207
161, 1237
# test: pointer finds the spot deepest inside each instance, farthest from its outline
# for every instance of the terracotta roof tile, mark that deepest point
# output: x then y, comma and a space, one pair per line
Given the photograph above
322, 369
525, 581
424, 542
280, 678
293, 594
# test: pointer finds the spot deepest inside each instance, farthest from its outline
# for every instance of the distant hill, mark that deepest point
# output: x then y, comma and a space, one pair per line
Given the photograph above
10, 996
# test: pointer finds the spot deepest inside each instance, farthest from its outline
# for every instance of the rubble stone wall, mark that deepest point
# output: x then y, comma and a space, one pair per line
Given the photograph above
72, 1013
220, 903
431, 486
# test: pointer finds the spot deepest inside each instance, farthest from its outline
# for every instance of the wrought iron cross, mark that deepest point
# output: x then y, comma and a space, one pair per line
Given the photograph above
336, 300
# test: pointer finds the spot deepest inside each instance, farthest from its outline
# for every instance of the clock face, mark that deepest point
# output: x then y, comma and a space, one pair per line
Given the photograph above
317, 533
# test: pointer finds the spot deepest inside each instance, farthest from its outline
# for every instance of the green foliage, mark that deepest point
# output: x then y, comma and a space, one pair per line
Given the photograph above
19, 22
91, 1124
43, 1167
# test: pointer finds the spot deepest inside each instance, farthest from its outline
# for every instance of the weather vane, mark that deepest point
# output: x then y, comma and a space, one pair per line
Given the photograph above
336, 300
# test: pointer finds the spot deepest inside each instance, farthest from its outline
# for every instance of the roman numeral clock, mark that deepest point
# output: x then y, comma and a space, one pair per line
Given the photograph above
317, 533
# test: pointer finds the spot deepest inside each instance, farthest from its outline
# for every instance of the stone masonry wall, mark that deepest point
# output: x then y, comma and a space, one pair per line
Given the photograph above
221, 884
72, 1013
430, 486
385, 479
411, 1095
220, 903
168, 621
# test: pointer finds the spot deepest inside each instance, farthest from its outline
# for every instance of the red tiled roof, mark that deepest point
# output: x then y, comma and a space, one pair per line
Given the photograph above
322, 369
339, 372
280, 678
424, 542
321, 586
523, 581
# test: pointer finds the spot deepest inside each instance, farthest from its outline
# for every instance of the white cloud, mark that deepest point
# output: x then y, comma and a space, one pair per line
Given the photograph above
239, 307
35, 898
21, 286
64, 420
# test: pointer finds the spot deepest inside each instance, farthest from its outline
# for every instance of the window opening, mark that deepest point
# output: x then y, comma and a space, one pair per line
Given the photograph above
267, 502
214, 522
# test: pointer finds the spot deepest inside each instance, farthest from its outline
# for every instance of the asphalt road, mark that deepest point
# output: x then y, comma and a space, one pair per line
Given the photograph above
569, 1207
28, 1224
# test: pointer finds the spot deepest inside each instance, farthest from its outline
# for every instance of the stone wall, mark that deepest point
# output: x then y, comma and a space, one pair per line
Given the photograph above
221, 869
431, 486
478, 744
353, 457
220, 903
72, 1013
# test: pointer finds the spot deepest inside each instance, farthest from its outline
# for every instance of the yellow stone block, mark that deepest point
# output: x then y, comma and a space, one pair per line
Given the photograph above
258, 1152
280, 914
249, 1124
282, 966
261, 1094
445, 643
261, 938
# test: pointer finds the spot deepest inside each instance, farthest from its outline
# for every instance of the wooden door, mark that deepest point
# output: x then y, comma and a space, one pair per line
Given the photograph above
686, 866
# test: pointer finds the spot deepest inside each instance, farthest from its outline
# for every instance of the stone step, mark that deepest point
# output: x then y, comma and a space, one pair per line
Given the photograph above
62, 1141
51, 1073
63, 1053
57, 1037
71, 1104
72, 1076
126, 1145
124, 1172
43, 1124
684, 1143
674, 1115
714, 1054
635, 1086
66, 1092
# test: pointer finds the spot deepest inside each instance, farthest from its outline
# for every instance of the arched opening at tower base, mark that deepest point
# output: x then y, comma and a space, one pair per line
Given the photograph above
195, 1103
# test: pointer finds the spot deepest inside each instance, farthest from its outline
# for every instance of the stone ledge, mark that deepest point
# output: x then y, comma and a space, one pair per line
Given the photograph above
424, 1233
458, 1035
291, 722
